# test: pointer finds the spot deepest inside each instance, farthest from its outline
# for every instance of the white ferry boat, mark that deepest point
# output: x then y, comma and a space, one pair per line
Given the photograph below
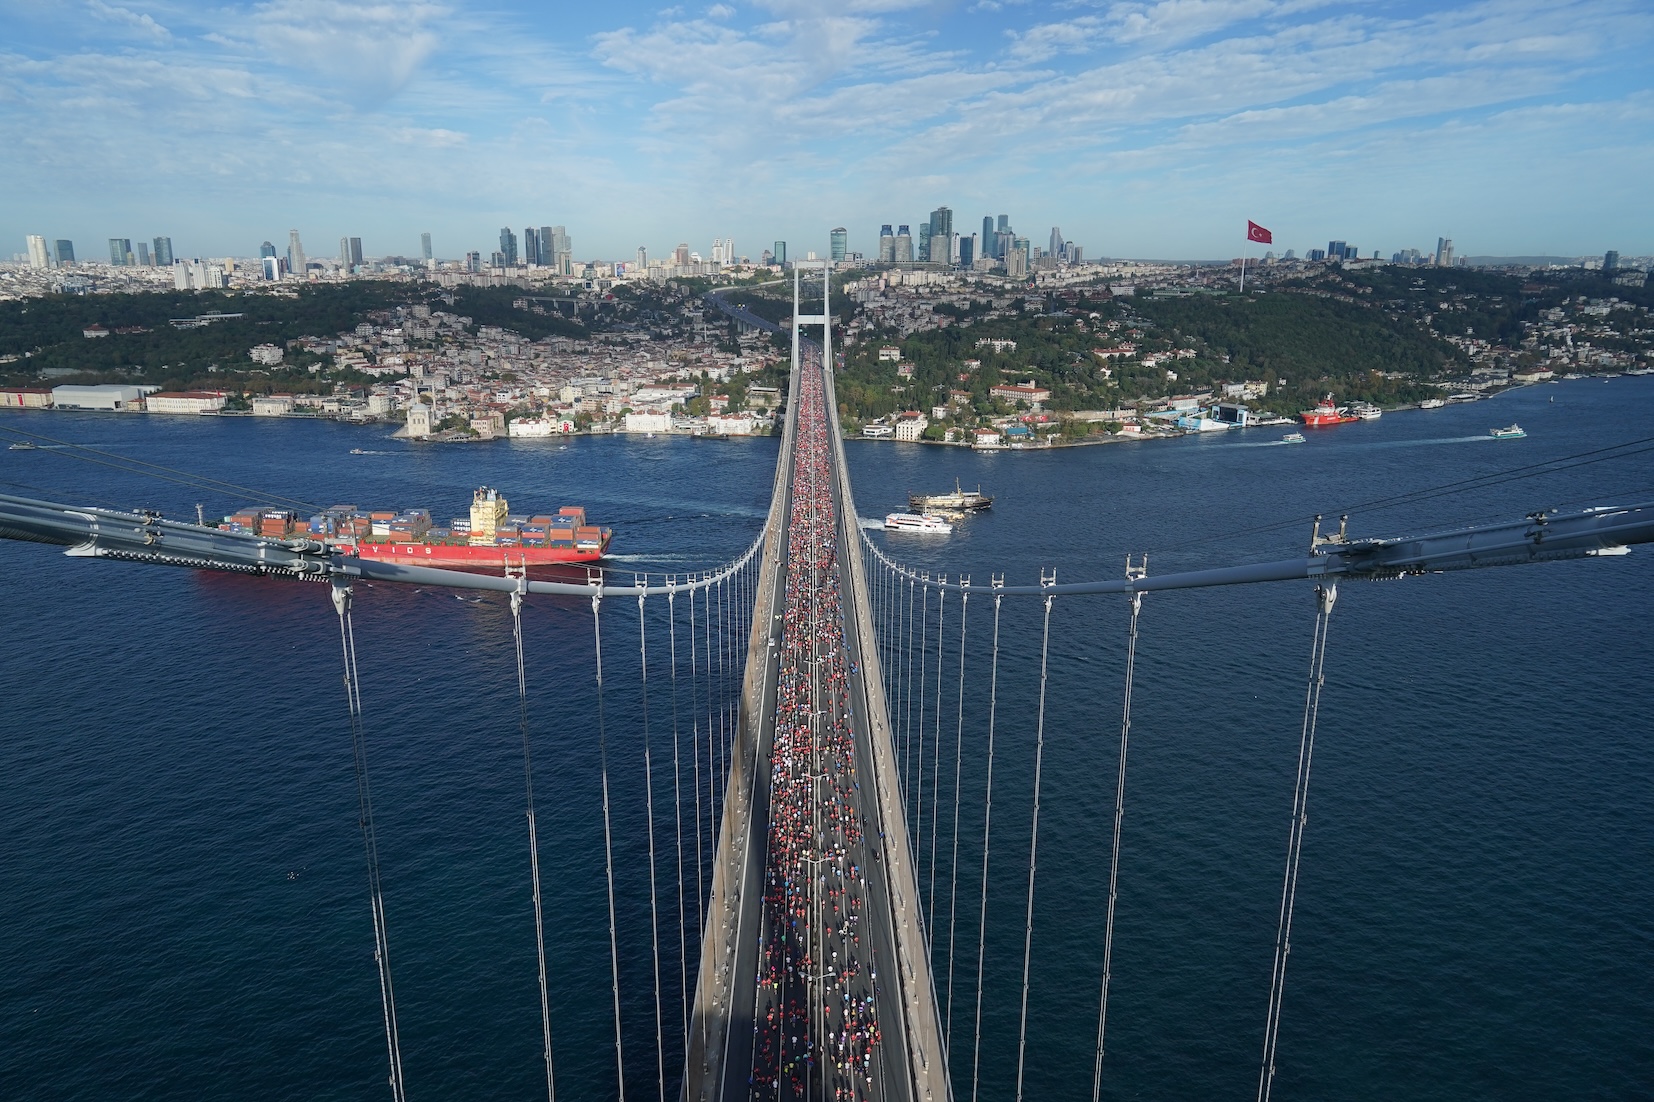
1509, 432
1366, 411
1433, 403
917, 522
1293, 438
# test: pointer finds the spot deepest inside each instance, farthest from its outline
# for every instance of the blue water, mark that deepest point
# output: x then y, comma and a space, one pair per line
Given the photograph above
185, 912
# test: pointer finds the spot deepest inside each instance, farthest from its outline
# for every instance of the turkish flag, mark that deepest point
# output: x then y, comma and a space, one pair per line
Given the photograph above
1255, 232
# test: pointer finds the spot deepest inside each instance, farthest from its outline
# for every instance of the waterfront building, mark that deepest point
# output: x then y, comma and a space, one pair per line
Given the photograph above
65, 251
104, 396
38, 257
185, 401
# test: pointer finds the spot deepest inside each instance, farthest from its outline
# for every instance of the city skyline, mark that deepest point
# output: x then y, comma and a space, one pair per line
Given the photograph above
1143, 129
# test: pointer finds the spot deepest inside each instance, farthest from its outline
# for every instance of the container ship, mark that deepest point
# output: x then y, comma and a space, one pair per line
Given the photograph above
492, 536
1327, 414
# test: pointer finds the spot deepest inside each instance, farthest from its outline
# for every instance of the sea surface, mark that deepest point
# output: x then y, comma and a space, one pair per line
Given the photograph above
183, 892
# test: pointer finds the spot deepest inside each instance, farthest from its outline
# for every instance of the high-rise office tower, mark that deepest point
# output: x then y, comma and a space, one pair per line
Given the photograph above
531, 246
642, 258
1444, 252
344, 252
473, 261
781, 253
902, 250
295, 255
987, 238
65, 251
425, 246
119, 247
1004, 242
270, 267
266, 249
1611, 260
1004, 223
355, 252
163, 252
1056, 243
941, 222
839, 240
887, 245
924, 241
680, 255
508, 247
967, 251
143, 254
555, 249
38, 257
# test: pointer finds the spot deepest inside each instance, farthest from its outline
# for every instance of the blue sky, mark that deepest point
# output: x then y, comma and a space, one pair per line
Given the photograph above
1144, 128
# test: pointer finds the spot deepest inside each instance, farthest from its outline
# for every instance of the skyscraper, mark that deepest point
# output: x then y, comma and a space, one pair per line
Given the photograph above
555, 249
902, 250
295, 255
887, 245
508, 247
941, 222
119, 247
37, 251
163, 252
1611, 260
967, 251
425, 246
266, 249
839, 239
781, 253
531, 246
1004, 223
355, 252
987, 238
473, 261
143, 254
642, 258
924, 240
680, 255
1056, 243
344, 253
65, 251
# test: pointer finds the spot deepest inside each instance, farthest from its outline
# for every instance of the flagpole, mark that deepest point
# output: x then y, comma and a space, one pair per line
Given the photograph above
1243, 267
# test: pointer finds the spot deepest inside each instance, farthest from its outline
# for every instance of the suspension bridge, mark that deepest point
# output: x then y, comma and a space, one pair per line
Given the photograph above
815, 689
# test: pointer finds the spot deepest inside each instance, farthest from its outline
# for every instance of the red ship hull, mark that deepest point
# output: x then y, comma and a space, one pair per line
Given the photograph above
1317, 418
449, 555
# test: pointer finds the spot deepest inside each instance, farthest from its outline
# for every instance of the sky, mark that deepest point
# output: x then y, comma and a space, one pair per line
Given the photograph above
1143, 128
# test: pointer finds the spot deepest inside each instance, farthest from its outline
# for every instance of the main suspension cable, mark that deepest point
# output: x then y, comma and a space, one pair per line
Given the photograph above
533, 840
987, 821
1119, 815
608, 843
1033, 837
1325, 597
364, 797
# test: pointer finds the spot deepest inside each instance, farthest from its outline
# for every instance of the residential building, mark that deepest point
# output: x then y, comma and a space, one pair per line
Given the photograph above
642, 259
267, 354
38, 257
272, 405
911, 426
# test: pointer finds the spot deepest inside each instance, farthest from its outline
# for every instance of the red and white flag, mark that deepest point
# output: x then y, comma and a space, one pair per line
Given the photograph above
1255, 232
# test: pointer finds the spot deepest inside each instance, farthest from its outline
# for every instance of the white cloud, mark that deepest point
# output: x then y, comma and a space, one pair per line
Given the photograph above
143, 24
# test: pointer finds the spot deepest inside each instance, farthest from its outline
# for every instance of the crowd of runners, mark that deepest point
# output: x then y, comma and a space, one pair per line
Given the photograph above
817, 1025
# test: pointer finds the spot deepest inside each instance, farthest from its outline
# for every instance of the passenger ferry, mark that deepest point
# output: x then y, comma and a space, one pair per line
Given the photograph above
1293, 438
1509, 432
917, 522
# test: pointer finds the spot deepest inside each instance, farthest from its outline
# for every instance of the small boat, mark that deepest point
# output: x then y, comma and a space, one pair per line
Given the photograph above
357, 451
917, 522
1366, 411
24, 446
1509, 432
1433, 403
1293, 438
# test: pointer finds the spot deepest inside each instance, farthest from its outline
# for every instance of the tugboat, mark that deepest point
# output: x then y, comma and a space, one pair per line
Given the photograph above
1326, 413
960, 501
